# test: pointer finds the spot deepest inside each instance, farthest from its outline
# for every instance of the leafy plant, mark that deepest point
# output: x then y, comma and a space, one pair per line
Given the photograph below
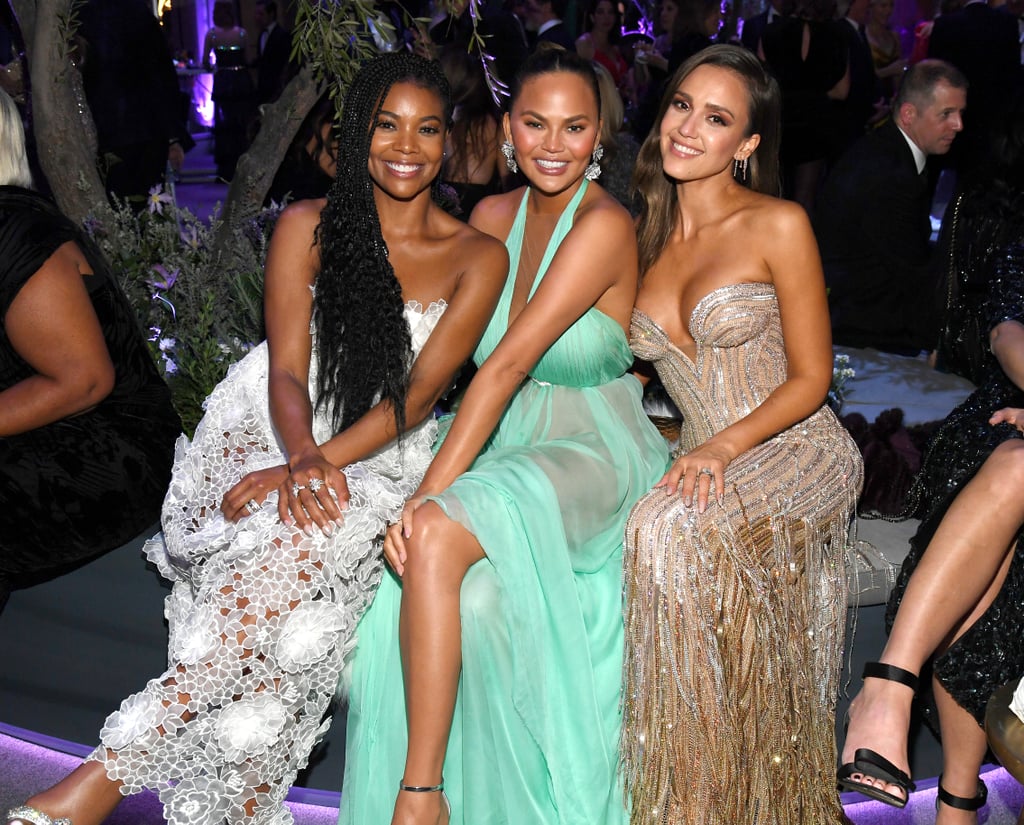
201, 316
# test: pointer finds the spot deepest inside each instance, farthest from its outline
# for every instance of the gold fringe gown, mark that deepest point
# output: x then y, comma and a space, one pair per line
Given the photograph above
735, 617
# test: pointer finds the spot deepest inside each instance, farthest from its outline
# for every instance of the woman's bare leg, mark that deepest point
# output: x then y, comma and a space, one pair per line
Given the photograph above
956, 580
430, 633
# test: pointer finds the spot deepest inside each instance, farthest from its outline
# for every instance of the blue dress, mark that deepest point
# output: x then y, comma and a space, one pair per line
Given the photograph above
534, 738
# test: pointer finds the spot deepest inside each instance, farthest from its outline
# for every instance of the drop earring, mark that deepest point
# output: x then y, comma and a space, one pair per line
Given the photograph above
509, 151
739, 169
593, 170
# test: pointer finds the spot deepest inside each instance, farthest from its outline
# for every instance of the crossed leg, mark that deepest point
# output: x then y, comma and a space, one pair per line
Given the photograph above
955, 582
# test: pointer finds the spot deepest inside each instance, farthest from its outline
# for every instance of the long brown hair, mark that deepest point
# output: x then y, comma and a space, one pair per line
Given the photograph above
658, 199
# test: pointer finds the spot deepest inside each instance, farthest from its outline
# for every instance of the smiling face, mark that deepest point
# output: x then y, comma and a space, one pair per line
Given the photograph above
554, 126
407, 147
705, 126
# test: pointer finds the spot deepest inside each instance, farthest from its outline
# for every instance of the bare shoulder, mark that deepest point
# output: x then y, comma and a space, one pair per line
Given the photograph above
771, 225
601, 213
300, 219
495, 214
477, 250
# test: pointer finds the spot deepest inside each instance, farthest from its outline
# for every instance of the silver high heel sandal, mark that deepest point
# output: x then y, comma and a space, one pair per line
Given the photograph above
25, 814
415, 789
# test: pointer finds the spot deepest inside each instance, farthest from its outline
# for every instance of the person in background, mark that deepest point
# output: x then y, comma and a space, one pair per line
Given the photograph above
274, 52
872, 217
620, 147
311, 162
886, 54
224, 48
954, 617
132, 91
544, 20
806, 51
87, 427
600, 40
474, 167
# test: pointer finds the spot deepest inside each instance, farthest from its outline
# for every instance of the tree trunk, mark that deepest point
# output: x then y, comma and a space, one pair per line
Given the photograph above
256, 168
64, 130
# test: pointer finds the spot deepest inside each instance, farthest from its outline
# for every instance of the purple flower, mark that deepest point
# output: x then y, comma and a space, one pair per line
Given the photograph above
165, 279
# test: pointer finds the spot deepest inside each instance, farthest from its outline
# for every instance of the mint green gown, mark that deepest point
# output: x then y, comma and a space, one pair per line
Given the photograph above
534, 738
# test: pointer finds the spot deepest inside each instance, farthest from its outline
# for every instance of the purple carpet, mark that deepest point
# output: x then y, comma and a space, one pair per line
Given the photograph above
30, 762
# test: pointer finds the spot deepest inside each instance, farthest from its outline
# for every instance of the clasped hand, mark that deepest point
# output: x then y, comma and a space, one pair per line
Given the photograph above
696, 474
312, 493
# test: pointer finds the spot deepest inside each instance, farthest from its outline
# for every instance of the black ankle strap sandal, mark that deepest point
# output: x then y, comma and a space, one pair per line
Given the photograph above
868, 765
963, 803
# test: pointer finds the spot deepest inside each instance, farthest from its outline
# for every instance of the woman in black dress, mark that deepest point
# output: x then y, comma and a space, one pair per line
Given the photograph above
87, 428
956, 624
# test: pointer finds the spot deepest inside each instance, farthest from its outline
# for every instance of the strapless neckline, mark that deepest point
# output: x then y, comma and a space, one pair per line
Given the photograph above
707, 303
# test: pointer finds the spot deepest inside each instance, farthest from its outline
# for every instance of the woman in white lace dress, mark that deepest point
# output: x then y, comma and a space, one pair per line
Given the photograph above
274, 551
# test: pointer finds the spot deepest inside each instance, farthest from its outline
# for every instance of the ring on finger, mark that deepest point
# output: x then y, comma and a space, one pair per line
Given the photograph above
296, 487
706, 471
253, 506
315, 484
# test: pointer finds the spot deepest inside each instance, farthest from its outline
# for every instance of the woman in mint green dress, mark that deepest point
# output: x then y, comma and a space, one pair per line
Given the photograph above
504, 614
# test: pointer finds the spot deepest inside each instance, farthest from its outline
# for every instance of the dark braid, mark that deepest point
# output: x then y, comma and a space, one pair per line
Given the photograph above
363, 344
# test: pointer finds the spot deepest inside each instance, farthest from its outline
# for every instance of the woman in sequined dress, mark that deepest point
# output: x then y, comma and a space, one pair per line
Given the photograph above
735, 591
956, 624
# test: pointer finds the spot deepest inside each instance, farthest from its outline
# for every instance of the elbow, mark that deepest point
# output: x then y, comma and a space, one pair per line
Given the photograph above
93, 386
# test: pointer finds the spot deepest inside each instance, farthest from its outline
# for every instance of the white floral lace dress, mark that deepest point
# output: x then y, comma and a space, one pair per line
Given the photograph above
261, 616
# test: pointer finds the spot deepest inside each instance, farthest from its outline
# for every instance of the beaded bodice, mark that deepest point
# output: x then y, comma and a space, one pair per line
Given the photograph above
740, 358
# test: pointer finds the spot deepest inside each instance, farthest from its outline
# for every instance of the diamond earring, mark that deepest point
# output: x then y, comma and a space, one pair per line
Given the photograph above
593, 170
509, 151
739, 169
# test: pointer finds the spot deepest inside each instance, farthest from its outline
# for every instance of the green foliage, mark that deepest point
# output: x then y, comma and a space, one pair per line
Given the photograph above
200, 316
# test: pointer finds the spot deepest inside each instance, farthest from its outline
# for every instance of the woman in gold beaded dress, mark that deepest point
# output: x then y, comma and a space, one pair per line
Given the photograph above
735, 589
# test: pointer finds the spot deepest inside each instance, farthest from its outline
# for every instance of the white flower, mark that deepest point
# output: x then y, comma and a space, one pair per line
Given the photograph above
200, 800
308, 633
139, 714
195, 637
166, 344
158, 199
249, 726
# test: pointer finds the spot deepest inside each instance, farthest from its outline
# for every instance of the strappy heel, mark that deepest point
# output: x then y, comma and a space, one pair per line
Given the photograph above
963, 803
425, 789
33, 816
871, 765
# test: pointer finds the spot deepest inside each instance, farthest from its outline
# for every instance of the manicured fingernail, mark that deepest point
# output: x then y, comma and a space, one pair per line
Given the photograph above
328, 529
338, 522
688, 502
308, 531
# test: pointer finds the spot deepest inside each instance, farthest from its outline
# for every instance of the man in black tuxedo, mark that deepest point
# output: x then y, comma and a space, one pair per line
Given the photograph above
872, 217
984, 44
865, 96
544, 17
275, 46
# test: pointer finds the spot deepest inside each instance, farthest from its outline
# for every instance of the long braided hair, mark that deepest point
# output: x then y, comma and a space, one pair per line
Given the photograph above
363, 343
